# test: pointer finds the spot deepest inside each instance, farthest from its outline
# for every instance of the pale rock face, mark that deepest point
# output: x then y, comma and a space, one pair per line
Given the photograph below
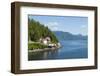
45, 42
59, 44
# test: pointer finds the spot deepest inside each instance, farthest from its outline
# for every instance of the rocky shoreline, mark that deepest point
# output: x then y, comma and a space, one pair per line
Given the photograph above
45, 49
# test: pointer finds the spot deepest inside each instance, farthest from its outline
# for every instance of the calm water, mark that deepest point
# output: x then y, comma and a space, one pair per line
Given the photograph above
71, 49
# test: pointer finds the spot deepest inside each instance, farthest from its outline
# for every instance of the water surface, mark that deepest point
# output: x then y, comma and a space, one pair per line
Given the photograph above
71, 49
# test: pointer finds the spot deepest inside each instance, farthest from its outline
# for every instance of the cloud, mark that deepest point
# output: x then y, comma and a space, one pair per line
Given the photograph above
83, 26
55, 28
52, 24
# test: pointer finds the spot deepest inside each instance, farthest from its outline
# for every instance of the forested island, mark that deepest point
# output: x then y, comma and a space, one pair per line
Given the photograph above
40, 37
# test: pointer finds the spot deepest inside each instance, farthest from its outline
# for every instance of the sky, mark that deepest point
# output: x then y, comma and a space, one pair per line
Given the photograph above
72, 24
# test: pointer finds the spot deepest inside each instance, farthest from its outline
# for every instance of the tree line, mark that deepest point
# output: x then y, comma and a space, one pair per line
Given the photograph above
36, 30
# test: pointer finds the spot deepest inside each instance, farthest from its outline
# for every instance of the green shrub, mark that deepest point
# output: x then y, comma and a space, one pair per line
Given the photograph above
32, 46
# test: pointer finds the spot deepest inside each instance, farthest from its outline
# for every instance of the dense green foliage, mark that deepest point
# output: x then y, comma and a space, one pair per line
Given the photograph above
32, 46
36, 30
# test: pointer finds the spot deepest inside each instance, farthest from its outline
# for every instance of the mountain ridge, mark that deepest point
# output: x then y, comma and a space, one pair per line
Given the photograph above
69, 36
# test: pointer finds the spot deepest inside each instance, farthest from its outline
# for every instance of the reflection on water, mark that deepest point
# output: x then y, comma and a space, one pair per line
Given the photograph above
70, 49
43, 55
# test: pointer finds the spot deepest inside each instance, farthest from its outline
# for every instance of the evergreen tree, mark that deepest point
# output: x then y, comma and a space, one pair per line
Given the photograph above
36, 30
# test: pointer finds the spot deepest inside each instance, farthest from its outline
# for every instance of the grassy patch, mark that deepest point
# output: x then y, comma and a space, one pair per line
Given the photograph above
32, 46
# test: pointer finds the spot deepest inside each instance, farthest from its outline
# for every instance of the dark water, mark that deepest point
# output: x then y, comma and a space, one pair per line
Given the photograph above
71, 49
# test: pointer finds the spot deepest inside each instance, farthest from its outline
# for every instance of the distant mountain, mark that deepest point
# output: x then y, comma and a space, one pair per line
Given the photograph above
68, 36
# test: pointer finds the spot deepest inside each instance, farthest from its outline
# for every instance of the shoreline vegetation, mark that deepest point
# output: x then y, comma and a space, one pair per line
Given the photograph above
38, 47
44, 49
40, 50
40, 37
